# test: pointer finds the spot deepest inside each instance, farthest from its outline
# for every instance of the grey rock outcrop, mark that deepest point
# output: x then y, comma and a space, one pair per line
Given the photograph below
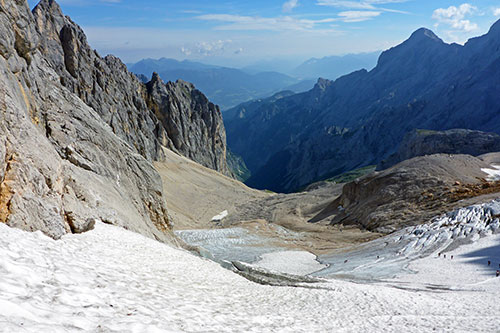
193, 126
77, 136
455, 141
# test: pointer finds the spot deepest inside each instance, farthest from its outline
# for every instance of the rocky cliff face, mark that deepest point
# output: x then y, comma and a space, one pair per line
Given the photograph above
123, 101
455, 141
361, 118
193, 126
76, 132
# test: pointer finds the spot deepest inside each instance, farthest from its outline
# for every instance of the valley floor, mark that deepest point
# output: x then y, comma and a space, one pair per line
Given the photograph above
112, 280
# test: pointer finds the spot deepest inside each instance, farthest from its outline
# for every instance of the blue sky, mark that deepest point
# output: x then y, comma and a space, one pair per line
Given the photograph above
241, 32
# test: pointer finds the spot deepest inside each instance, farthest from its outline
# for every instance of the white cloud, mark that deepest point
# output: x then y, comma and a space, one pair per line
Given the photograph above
212, 48
352, 4
237, 22
455, 17
186, 51
134, 43
358, 16
496, 11
362, 10
290, 5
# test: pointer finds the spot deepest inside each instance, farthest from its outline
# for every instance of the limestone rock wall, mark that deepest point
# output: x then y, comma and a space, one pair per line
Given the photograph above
122, 100
193, 125
77, 136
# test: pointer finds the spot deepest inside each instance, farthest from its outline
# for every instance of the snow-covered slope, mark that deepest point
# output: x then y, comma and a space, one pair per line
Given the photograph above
388, 256
112, 280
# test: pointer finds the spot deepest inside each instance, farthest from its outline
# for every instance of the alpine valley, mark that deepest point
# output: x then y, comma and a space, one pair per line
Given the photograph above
121, 208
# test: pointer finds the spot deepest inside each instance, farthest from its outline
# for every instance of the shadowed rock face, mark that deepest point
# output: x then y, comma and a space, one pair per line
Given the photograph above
77, 135
361, 118
456, 141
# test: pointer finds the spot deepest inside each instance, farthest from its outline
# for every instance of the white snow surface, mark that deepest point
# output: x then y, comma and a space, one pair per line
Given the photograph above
220, 216
290, 262
493, 174
469, 265
388, 256
112, 280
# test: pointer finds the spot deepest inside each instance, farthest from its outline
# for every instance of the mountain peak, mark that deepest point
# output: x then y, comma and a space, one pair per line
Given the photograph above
156, 78
424, 34
322, 84
49, 6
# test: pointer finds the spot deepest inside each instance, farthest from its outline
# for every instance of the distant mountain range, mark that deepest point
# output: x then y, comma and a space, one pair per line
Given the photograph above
335, 66
224, 86
361, 118
229, 87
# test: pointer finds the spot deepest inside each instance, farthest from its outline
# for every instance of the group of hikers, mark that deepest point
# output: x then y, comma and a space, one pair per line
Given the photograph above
444, 255
489, 263
498, 270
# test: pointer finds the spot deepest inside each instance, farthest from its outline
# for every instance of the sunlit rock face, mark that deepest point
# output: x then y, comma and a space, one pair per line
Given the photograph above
79, 132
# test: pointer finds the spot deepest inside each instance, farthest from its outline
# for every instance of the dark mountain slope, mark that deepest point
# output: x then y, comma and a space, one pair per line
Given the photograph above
361, 118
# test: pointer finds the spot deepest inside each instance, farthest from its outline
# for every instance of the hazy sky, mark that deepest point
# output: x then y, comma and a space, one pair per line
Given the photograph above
242, 32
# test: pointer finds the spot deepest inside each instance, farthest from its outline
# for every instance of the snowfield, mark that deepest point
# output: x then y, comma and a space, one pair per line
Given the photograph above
112, 280
290, 262
389, 256
493, 174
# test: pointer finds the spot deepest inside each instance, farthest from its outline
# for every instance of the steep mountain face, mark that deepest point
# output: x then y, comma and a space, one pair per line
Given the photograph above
193, 126
227, 87
361, 118
122, 101
78, 132
455, 141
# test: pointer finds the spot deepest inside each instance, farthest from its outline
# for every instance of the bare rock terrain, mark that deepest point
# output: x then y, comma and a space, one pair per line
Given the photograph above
455, 141
195, 194
412, 192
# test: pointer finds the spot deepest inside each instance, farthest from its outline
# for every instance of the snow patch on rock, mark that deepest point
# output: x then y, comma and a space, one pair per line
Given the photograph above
220, 216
